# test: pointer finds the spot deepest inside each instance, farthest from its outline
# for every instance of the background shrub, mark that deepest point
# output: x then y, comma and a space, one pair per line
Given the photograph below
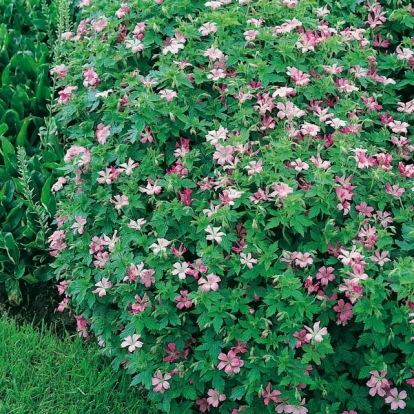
236, 220
26, 204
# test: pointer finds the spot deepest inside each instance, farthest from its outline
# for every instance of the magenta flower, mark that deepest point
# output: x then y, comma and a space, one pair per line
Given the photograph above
269, 395
160, 382
230, 362
325, 275
211, 283
344, 312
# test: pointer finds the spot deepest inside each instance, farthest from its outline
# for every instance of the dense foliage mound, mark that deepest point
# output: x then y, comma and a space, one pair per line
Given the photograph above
236, 219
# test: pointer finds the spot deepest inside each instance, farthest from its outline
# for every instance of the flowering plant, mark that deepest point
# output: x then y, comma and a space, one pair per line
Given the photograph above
236, 225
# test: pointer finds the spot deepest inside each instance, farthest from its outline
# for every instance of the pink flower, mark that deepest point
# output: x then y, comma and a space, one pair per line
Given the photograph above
102, 285
134, 44
66, 94
378, 383
303, 259
395, 190
152, 188
344, 312
99, 24
160, 382
316, 333
281, 190
137, 225
247, 260
364, 209
63, 305
213, 54
230, 362
168, 94
120, 201
60, 71
128, 167
214, 397
210, 283
271, 395
102, 133
185, 197
58, 184
78, 226
81, 324
298, 77
91, 78
132, 342
325, 275
208, 28
380, 258
183, 300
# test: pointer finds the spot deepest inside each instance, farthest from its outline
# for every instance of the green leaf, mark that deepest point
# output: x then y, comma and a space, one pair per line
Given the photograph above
47, 198
14, 294
11, 248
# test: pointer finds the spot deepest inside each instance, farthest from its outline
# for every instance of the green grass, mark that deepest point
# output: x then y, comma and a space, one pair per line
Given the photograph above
42, 374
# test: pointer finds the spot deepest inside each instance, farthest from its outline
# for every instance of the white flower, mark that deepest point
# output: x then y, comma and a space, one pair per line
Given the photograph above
180, 269
215, 234
132, 342
316, 333
161, 247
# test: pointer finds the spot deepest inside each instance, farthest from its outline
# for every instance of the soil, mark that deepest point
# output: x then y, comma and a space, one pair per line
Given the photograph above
39, 308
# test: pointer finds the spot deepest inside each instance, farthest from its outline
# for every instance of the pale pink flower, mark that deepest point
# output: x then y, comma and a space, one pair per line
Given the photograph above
102, 133
251, 34
380, 258
298, 77
91, 78
247, 260
254, 167
66, 95
378, 383
213, 53
152, 188
63, 305
364, 209
132, 342
395, 190
102, 285
299, 165
128, 167
120, 201
137, 225
167, 94
316, 333
214, 397
215, 136
398, 127
160, 246
310, 129
58, 184
172, 45
230, 362
78, 225
320, 163
396, 399
216, 74
214, 234
336, 123
208, 28
135, 45
281, 190
404, 53
210, 283
303, 259
60, 71
160, 382
62, 286
99, 24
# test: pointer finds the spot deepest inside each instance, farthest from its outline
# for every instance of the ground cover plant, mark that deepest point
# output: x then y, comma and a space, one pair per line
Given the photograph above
28, 153
41, 374
236, 213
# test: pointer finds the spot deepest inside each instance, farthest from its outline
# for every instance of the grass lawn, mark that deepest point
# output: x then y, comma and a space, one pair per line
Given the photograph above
42, 374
